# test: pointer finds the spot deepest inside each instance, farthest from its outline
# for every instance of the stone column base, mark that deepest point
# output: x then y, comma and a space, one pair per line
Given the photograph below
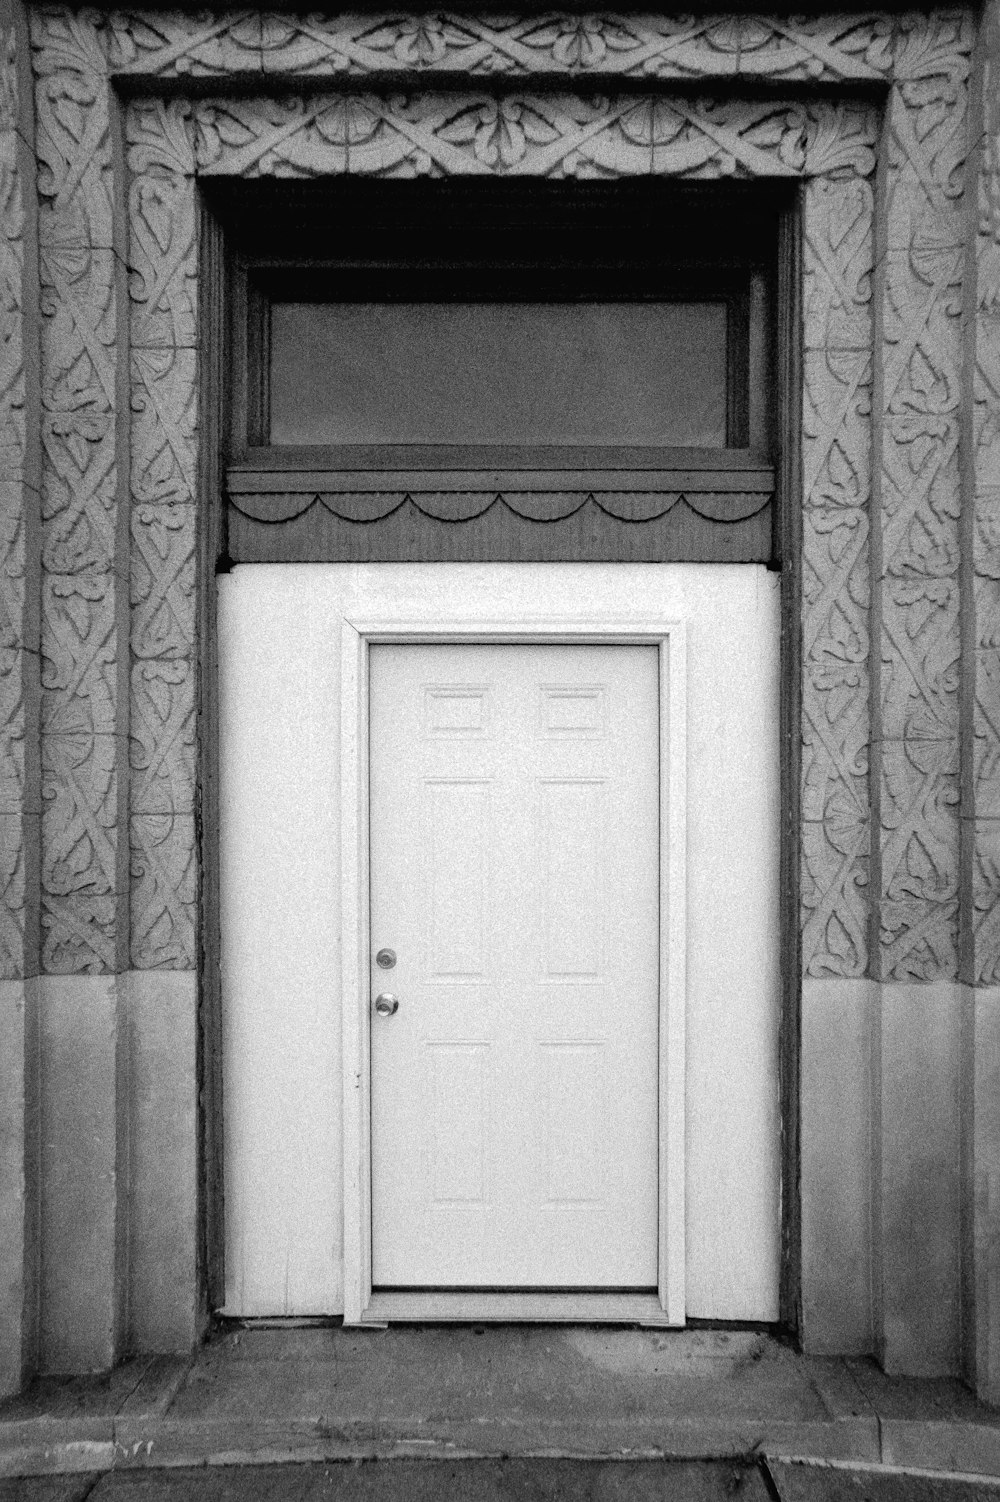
901, 1176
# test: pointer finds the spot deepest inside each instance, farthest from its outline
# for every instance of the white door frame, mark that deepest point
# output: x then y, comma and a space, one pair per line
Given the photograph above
360, 1305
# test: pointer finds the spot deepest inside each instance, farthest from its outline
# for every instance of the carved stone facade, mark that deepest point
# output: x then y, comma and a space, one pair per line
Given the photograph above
900, 422
93, 285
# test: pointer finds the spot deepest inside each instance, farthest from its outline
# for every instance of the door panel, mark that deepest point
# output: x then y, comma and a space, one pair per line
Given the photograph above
514, 861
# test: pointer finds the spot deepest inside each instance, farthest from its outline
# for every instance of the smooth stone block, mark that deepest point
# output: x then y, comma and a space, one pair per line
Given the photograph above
84, 1149
983, 1185
836, 1040
163, 1160
917, 1256
18, 1182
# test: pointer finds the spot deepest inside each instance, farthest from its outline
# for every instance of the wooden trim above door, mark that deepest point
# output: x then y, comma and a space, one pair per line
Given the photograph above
359, 634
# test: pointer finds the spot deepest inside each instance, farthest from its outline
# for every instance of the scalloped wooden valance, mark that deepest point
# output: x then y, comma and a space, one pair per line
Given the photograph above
710, 514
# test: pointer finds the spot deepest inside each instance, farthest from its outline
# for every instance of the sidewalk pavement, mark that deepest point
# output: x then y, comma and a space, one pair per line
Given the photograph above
256, 1397
513, 1480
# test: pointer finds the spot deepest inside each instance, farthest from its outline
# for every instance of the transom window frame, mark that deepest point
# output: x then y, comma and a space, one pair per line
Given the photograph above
607, 503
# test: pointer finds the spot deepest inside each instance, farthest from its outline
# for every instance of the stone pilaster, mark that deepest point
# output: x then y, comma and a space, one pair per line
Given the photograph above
980, 719
916, 650
84, 713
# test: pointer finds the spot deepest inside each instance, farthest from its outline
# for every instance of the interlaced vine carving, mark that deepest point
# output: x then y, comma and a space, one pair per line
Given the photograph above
983, 539
84, 591
830, 49
164, 423
19, 766
918, 423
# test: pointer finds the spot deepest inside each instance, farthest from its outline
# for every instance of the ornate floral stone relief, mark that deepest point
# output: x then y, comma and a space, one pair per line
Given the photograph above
19, 768
552, 135
838, 216
827, 48
163, 444
84, 594
919, 379
834, 146
983, 829
912, 312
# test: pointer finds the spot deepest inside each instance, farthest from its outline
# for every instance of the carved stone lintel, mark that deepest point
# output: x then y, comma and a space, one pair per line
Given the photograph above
550, 135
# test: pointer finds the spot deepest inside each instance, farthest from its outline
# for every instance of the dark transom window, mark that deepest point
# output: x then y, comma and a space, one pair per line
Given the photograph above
585, 372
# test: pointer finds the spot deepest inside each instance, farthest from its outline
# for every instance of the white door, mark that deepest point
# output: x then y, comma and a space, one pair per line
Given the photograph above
514, 874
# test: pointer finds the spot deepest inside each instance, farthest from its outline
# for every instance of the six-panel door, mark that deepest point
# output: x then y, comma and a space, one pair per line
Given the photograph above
514, 873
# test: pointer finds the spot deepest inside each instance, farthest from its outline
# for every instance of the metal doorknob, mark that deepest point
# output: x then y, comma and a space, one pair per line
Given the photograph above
386, 1004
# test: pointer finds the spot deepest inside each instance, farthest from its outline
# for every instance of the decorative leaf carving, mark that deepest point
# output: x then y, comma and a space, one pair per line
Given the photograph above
536, 135
20, 770
918, 426
820, 49
84, 600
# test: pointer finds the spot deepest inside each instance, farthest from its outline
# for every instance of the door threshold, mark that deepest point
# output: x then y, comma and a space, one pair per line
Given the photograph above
471, 1307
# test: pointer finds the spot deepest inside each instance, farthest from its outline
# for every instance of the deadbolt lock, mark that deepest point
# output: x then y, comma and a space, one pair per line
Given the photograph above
385, 959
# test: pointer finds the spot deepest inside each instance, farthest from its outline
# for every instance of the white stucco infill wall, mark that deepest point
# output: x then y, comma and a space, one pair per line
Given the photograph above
280, 651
